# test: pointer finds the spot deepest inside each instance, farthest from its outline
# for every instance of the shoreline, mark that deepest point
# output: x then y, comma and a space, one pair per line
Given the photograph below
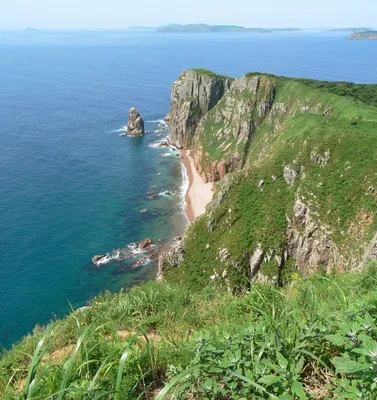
199, 193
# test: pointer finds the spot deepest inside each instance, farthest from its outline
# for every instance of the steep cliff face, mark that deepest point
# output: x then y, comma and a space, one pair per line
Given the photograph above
223, 136
193, 95
297, 184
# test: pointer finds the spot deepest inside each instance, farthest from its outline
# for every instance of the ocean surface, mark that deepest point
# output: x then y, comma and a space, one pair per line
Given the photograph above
72, 187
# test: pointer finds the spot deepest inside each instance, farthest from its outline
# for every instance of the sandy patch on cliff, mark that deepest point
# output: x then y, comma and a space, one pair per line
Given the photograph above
199, 193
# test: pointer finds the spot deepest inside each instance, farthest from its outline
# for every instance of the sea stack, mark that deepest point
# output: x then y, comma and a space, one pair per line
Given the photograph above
135, 125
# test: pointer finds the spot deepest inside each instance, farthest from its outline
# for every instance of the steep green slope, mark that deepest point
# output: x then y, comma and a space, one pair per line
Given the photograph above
302, 196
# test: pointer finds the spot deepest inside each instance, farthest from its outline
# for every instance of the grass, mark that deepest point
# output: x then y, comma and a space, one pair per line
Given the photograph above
315, 338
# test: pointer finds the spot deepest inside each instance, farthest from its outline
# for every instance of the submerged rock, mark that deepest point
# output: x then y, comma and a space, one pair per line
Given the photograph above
135, 125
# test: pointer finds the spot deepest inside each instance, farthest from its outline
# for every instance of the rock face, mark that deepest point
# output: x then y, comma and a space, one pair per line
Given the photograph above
204, 105
193, 95
135, 125
310, 243
171, 258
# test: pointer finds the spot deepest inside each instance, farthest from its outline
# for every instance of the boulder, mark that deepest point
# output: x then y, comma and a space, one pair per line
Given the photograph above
135, 125
146, 243
97, 258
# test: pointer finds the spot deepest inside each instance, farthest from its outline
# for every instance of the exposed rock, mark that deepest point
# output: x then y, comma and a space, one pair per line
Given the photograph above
309, 242
232, 124
320, 159
98, 257
167, 117
256, 260
193, 95
260, 184
135, 125
370, 253
146, 243
291, 173
224, 255
171, 258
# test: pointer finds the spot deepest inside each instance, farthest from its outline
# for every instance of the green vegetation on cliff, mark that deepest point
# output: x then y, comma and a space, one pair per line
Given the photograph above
315, 339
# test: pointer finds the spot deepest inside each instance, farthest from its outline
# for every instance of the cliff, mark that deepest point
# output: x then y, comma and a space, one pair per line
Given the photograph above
295, 165
193, 95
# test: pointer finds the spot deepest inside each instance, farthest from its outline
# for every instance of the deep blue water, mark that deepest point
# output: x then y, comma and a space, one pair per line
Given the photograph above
71, 187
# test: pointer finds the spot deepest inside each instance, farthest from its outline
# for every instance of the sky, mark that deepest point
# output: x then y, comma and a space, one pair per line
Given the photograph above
118, 14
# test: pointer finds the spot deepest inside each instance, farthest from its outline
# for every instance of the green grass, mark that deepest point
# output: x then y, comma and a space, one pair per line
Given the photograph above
312, 339
207, 72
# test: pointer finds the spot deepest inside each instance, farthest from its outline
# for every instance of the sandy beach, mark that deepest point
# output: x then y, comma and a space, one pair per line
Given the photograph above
199, 193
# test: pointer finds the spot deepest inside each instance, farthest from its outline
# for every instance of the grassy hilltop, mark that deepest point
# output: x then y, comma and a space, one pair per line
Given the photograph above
272, 293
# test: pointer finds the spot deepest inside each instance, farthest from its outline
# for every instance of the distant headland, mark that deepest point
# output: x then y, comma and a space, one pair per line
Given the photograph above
205, 28
351, 30
368, 35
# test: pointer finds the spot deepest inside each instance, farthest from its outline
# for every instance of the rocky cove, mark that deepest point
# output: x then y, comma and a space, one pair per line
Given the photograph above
235, 140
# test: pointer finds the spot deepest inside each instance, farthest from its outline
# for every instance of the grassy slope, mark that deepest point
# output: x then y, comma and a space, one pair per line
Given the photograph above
279, 342
337, 192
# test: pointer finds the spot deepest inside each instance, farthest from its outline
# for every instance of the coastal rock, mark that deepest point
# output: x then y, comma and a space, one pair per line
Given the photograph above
321, 159
291, 173
146, 243
256, 260
230, 127
310, 243
171, 258
167, 117
98, 258
135, 125
140, 262
193, 94
370, 254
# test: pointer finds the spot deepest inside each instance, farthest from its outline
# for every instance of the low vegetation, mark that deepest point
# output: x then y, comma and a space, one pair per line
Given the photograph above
316, 338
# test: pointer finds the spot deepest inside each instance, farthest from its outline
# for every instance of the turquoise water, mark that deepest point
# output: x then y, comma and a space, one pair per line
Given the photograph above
72, 187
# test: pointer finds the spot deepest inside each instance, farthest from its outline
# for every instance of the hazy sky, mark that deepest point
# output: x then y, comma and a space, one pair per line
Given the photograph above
112, 14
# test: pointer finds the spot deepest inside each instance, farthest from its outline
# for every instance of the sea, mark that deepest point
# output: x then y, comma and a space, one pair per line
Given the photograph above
72, 187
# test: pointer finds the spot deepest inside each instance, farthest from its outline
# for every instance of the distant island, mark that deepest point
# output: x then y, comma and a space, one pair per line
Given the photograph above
29, 29
204, 28
141, 28
350, 30
368, 35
